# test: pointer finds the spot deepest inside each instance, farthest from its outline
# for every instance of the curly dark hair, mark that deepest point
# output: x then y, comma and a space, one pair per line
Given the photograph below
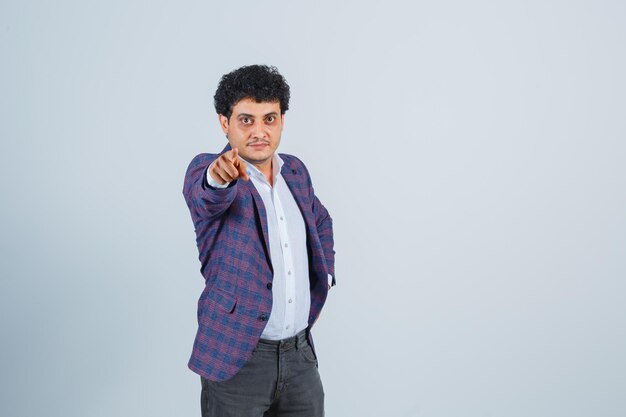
258, 82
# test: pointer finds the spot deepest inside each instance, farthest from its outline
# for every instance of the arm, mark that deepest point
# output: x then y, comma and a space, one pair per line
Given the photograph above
324, 224
206, 202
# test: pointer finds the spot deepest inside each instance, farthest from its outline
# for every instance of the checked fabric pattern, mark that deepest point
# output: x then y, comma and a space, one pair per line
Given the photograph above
233, 246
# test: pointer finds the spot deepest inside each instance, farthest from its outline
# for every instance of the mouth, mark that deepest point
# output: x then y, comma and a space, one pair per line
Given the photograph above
259, 145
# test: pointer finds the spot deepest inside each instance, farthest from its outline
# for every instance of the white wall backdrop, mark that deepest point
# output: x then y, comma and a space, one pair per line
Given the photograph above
471, 154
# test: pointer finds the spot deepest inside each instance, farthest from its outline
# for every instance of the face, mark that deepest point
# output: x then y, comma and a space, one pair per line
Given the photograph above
255, 129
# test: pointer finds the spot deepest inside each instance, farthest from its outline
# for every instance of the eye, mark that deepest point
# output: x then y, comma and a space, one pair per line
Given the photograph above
271, 119
245, 120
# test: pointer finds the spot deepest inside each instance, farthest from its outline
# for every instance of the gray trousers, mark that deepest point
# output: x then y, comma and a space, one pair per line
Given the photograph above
279, 379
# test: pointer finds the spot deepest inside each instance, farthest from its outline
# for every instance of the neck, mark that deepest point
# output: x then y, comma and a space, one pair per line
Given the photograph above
266, 169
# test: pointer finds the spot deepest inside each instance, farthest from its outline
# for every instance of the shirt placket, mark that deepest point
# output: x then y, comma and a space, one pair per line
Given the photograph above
288, 263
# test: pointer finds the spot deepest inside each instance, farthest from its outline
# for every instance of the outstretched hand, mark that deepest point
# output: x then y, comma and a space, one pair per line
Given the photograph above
228, 167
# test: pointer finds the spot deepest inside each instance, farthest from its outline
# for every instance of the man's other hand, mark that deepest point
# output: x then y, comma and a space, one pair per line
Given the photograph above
228, 167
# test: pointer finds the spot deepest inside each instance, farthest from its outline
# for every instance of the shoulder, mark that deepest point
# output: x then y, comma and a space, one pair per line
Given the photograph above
202, 158
201, 161
294, 163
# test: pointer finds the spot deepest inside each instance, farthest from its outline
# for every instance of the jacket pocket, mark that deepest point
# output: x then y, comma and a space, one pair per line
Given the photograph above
223, 299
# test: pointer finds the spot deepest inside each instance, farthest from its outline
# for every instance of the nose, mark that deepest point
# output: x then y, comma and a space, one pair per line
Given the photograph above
259, 133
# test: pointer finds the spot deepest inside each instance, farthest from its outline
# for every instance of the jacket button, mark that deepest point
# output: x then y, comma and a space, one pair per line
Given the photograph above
262, 317
269, 285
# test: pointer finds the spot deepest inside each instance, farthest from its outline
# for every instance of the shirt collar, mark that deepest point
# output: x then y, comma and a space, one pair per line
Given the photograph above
277, 164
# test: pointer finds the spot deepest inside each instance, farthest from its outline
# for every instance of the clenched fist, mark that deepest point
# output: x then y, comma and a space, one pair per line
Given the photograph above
228, 167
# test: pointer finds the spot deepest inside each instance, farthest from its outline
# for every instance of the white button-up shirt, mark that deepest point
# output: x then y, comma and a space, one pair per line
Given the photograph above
287, 238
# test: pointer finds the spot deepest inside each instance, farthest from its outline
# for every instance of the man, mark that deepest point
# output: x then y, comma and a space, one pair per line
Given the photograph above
266, 251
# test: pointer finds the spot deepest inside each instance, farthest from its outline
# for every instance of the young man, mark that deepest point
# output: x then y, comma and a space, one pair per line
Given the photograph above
266, 251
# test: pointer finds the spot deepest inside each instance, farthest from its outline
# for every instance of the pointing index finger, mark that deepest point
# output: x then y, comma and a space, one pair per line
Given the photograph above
240, 164
231, 156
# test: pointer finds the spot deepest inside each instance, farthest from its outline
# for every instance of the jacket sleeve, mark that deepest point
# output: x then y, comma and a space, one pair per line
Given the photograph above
324, 224
204, 201
325, 231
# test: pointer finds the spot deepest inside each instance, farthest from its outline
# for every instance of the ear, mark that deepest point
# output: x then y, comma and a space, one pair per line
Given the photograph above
282, 121
223, 123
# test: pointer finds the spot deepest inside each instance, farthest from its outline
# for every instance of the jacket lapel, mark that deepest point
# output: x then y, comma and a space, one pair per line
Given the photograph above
261, 218
261, 215
293, 177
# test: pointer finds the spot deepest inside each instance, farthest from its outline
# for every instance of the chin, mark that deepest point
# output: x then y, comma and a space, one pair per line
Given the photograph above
257, 157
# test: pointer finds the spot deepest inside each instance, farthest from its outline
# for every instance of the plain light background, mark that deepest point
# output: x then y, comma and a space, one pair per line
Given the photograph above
471, 155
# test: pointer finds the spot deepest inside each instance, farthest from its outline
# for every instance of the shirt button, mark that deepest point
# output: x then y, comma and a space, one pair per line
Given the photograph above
289, 273
287, 326
281, 217
290, 300
269, 285
286, 244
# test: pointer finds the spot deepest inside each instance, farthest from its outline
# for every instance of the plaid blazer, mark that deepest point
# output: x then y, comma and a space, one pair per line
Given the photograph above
232, 239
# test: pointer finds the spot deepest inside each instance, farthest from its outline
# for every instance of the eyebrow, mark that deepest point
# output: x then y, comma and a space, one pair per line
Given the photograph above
252, 116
